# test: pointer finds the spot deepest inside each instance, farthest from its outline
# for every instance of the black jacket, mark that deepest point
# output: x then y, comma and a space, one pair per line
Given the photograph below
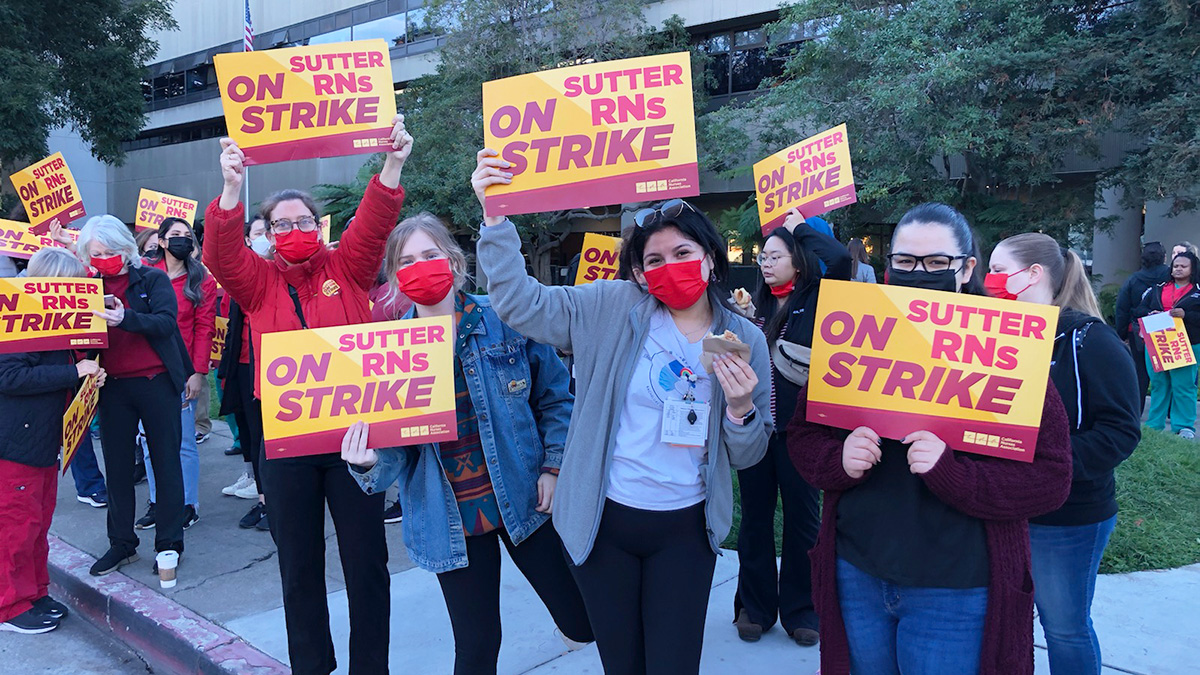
35, 390
151, 310
227, 370
1189, 303
1094, 375
1130, 297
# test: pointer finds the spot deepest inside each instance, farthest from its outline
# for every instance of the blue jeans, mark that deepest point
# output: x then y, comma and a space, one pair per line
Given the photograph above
894, 629
1065, 562
189, 456
86, 470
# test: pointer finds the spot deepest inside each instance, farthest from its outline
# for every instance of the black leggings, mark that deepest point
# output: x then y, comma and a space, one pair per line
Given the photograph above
249, 420
473, 595
646, 585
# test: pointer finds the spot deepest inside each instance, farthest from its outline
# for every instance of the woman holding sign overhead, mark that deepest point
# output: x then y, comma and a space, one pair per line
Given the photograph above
922, 562
306, 285
645, 495
1094, 375
1173, 392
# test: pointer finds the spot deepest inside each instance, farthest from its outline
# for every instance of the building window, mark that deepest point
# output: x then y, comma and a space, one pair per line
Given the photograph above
741, 60
341, 35
391, 28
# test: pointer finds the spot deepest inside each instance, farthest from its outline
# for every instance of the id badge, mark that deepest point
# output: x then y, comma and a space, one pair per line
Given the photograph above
685, 423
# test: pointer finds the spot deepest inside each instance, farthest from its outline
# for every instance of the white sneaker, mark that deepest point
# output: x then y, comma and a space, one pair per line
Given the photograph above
572, 645
1187, 434
247, 491
241, 482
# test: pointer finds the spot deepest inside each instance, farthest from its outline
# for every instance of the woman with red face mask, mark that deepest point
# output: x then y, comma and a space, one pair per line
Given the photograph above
645, 495
306, 285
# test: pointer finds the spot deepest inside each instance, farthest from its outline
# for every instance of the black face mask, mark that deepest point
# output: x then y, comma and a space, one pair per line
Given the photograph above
930, 281
180, 247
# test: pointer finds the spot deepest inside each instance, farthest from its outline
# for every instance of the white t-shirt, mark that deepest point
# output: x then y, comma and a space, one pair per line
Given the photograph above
647, 473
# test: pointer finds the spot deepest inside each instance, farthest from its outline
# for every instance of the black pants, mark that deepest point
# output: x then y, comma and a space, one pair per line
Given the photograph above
153, 401
473, 595
763, 593
296, 491
646, 585
249, 420
1138, 349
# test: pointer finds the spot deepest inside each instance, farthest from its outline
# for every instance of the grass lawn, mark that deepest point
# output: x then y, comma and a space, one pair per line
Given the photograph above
1158, 489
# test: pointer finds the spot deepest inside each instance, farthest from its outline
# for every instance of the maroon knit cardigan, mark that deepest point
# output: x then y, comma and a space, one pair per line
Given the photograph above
1002, 493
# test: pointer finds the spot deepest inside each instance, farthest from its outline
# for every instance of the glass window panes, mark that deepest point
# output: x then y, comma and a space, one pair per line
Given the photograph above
718, 70
341, 35
417, 28
717, 44
390, 28
745, 38
749, 67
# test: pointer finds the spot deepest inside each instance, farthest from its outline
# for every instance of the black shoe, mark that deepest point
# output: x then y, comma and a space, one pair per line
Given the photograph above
94, 500
263, 525
189, 516
233, 450
31, 622
50, 607
201, 437
139, 474
147, 521
252, 518
112, 560
393, 514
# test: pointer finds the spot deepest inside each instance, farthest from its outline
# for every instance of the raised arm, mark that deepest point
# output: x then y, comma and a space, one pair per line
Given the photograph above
827, 249
238, 269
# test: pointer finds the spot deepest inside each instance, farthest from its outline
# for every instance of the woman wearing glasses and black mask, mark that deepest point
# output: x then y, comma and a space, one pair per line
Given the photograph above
645, 494
923, 560
306, 285
785, 306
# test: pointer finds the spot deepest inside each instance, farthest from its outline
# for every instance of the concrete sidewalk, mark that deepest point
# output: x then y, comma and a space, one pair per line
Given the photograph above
229, 578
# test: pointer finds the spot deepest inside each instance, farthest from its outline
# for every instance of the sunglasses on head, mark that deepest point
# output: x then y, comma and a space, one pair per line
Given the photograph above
670, 208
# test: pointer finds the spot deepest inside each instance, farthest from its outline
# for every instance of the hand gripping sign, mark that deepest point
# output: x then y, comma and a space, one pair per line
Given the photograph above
813, 175
603, 133
971, 370
155, 207
49, 193
305, 102
45, 314
396, 375
1167, 342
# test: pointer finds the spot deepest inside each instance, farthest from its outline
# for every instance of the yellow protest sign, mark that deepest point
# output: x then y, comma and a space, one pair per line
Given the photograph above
813, 175
154, 207
970, 369
44, 314
326, 228
17, 241
218, 346
598, 259
303, 102
78, 418
1168, 348
603, 133
49, 193
396, 375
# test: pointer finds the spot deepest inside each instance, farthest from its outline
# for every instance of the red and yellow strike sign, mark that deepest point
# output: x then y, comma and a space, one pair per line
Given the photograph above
396, 375
304, 102
813, 175
49, 193
154, 207
598, 260
604, 133
17, 241
44, 314
78, 418
971, 370
1168, 348
218, 346
326, 228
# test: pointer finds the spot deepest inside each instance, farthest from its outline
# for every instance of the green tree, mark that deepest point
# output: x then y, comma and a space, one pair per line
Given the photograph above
979, 104
74, 63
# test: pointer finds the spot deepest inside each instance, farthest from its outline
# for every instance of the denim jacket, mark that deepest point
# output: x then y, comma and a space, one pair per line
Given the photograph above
520, 391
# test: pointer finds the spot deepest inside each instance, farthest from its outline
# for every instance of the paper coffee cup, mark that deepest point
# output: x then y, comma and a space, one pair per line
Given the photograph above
167, 562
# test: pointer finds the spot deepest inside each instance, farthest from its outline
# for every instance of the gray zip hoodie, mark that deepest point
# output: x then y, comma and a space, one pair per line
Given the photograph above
604, 324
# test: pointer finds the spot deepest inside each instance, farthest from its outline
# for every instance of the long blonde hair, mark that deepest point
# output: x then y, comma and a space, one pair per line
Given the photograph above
1068, 278
434, 227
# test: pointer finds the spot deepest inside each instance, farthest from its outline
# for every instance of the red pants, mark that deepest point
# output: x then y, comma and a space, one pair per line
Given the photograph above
27, 496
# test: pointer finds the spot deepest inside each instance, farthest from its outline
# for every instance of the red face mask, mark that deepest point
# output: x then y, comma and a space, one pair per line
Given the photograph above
677, 285
996, 285
108, 267
297, 246
426, 282
784, 290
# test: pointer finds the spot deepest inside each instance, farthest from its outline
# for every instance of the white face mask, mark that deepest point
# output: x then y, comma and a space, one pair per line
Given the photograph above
261, 246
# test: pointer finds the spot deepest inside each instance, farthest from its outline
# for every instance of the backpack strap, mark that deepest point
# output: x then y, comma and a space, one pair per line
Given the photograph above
296, 302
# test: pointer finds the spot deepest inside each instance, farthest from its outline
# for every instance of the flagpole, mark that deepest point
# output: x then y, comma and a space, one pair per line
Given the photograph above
247, 46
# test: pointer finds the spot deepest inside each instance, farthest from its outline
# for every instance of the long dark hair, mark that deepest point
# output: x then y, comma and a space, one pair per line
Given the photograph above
858, 255
195, 271
693, 225
935, 213
1195, 266
808, 274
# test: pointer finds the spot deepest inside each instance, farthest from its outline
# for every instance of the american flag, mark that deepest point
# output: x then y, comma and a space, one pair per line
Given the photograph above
248, 37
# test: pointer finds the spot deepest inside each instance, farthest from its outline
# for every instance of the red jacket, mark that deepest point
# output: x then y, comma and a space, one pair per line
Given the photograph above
332, 285
197, 323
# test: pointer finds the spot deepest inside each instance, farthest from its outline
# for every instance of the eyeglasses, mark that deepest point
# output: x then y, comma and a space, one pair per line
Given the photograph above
670, 208
938, 262
303, 223
765, 260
